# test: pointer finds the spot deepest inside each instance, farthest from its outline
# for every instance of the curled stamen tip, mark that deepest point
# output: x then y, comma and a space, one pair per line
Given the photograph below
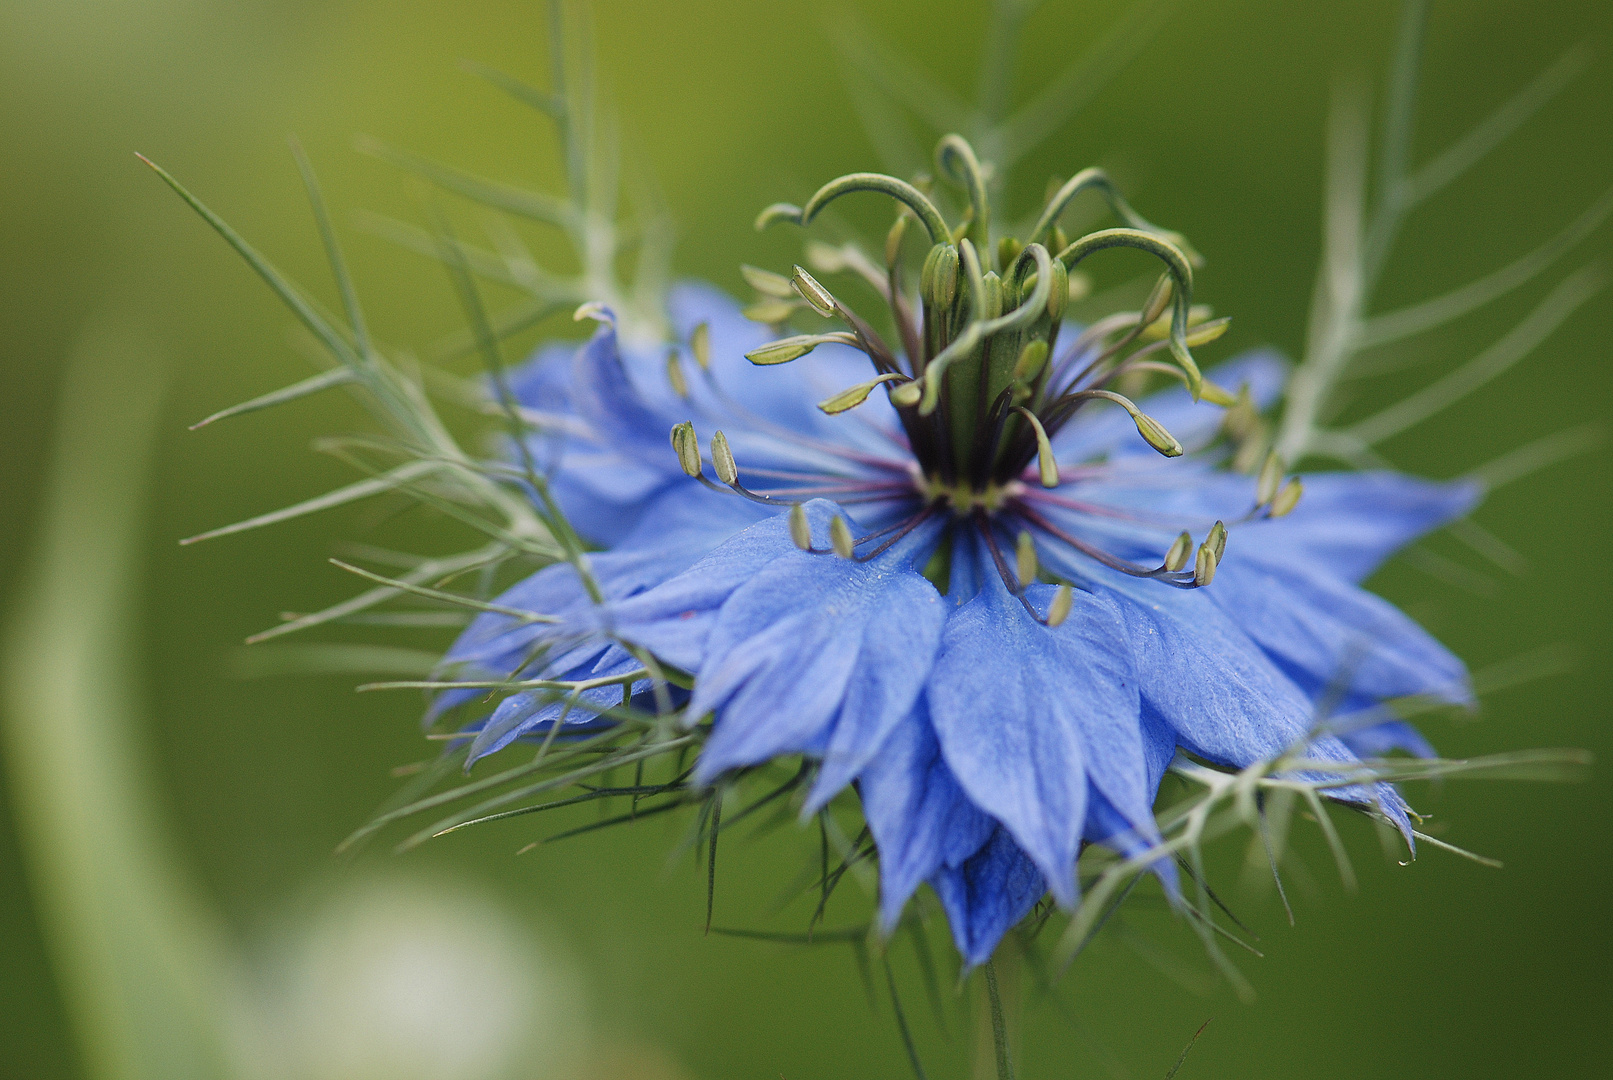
821, 299
1204, 566
779, 211
840, 537
1155, 435
800, 528
687, 447
1176, 558
722, 459
595, 310
1059, 609
1287, 498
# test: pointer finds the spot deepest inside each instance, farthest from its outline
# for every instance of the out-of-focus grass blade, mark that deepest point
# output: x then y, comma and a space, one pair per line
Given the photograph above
140, 957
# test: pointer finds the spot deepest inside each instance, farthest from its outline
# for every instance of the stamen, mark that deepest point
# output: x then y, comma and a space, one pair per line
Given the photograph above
1287, 498
1177, 556
1046, 465
1059, 609
674, 374
1271, 478
700, 345
784, 350
800, 528
840, 537
1160, 573
773, 311
1216, 541
722, 459
687, 447
1204, 566
853, 396
767, 282
821, 299
1152, 431
1025, 558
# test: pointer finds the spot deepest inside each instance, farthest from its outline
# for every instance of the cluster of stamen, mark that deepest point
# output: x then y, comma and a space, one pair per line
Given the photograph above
978, 382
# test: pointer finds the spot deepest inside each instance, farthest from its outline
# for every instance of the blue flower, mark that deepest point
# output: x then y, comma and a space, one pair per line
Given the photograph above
976, 598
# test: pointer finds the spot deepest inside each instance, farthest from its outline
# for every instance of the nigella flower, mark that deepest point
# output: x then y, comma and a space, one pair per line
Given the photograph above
967, 587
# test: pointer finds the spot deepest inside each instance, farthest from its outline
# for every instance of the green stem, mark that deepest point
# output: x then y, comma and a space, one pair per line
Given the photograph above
999, 1025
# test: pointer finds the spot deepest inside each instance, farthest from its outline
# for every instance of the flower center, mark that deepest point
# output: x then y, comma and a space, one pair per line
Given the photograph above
981, 382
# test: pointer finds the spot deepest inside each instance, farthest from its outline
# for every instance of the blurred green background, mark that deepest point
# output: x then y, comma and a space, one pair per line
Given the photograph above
1440, 969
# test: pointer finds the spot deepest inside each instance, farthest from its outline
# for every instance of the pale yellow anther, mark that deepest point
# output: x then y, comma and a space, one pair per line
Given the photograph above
821, 299
594, 310
1287, 498
1025, 566
1271, 478
1155, 435
1046, 466
853, 396
722, 459
771, 311
700, 345
1207, 332
1217, 540
800, 528
786, 349
686, 447
674, 374
767, 283
1179, 552
1059, 609
840, 537
1204, 566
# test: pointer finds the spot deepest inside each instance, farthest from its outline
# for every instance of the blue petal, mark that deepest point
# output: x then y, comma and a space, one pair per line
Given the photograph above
1322, 630
678, 529
520, 714
919, 816
1380, 740
985, 896
1348, 523
1026, 716
1223, 698
821, 655
673, 619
